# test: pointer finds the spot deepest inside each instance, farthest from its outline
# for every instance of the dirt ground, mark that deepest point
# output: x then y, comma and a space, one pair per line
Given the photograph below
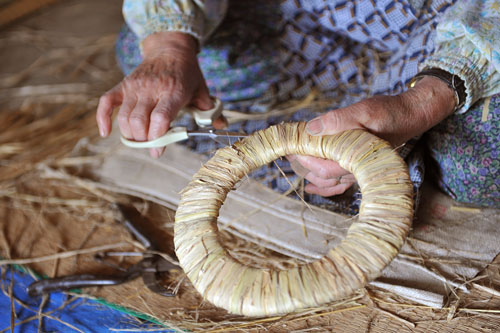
63, 57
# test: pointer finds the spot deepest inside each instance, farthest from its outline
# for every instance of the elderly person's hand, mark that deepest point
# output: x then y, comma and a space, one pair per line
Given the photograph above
393, 118
168, 78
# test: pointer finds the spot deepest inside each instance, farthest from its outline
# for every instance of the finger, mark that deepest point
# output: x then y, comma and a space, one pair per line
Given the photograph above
139, 119
327, 192
156, 152
123, 116
107, 103
163, 113
333, 122
298, 168
202, 99
322, 168
322, 182
220, 123
347, 179
326, 183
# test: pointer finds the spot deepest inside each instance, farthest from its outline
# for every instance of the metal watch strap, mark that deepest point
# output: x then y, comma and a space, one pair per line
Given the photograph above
452, 80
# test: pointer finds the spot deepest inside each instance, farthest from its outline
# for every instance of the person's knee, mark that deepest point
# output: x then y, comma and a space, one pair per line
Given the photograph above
473, 184
465, 147
465, 172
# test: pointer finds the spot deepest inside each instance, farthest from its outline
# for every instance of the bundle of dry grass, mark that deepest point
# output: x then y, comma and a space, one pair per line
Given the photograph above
371, 243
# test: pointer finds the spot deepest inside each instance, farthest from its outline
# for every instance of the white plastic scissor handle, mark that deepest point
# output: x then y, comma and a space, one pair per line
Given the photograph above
207, 117
176, 134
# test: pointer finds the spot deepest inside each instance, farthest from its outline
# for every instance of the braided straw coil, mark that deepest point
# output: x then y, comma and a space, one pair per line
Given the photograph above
371, 243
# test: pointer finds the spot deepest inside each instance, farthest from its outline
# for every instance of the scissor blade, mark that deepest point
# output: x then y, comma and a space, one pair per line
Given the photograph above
216, 134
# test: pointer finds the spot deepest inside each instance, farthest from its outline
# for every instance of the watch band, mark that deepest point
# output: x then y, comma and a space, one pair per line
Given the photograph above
452, 80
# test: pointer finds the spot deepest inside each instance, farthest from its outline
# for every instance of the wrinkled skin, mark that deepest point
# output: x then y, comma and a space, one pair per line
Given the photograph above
393, 118
170, 77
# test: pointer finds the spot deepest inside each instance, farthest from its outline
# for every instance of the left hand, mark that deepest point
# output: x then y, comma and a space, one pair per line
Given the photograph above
168, 78
393, 118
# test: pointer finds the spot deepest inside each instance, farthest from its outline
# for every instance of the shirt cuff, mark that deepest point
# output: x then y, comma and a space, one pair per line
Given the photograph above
175, 22
470, 66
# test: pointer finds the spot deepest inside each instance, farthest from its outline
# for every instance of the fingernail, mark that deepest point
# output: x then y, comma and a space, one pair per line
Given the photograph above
205, 104
299, 169
157, 152
101, 132
315, 126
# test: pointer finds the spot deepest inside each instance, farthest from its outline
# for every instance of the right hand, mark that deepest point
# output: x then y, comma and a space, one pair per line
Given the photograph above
168, 79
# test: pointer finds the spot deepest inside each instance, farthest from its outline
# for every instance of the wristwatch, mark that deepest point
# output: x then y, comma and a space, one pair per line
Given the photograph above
453, 81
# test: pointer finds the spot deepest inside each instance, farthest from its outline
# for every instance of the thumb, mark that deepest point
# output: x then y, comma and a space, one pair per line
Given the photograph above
332, 122
202, 99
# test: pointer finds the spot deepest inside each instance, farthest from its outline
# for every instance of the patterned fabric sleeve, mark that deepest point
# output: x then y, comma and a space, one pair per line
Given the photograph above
468, 45
195, 17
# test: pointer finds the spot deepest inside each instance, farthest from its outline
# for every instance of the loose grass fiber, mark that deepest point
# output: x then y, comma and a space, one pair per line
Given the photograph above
371, 243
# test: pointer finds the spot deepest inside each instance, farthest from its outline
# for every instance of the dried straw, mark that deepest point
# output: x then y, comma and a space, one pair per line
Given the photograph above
66, 254
371, 243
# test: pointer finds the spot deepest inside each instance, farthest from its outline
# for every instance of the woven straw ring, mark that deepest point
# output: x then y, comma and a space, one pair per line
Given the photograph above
371, 243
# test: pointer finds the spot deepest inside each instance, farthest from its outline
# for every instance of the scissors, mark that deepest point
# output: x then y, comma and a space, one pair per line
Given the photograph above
149, 268
203, 119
